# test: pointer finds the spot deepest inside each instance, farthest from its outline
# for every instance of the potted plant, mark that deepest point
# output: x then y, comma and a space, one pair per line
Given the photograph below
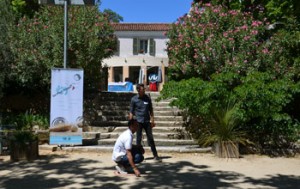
24, 143
222, 131
24, 146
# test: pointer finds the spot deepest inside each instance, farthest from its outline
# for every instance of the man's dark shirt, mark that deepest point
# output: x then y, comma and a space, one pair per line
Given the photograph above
141, 108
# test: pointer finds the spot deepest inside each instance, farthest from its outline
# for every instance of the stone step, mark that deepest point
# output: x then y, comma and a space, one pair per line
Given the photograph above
125, 96
169, 112
158, 142
165, 108
125, 117
115, 135
126, 105
169, 123
124, 123
171, 119
115, 112
109, 148
114, 107
161, 104
126, 101
110, 120
122, 128
115, 103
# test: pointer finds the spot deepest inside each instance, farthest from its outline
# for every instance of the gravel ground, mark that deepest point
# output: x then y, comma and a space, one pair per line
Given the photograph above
61, 169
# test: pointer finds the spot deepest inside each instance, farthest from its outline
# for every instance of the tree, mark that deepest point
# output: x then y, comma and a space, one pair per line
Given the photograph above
274, 10
6, 20
37, 45
216, 53
25, 7
112, 16
215, 39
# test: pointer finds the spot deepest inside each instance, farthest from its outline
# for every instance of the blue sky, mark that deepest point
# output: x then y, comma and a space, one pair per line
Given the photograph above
148, 11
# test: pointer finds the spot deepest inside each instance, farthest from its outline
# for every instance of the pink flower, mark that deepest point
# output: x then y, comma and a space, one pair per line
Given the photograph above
233, 12
265, 51
256, 23
254, 32
246, 38
244, 27
216, 10
237, 30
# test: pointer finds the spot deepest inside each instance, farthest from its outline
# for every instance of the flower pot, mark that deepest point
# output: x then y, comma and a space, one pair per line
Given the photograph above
24, 150
227, 149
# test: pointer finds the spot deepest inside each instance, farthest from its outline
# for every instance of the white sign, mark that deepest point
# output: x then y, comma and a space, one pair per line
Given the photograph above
153, 78
66, 106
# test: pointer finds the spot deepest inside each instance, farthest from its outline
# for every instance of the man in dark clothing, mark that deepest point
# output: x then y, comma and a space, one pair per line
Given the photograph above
141, 107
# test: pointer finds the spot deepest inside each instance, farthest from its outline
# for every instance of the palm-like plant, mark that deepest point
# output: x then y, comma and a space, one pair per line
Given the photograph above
223, 131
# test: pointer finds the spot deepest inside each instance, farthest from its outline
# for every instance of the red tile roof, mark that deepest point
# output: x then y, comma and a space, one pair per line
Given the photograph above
141, 26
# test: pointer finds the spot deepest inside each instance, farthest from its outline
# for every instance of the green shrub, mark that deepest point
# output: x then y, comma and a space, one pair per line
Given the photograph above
25, 121
216, 54
261, 110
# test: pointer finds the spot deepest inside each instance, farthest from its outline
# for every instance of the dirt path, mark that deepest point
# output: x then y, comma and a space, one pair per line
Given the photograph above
96, 170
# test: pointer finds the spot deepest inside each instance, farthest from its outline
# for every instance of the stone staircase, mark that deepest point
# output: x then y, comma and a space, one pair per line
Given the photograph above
108, 116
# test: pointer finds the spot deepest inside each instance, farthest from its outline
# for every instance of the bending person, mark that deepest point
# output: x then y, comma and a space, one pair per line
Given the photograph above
125, 154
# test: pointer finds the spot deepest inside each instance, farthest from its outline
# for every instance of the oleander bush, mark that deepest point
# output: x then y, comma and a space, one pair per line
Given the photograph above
216, 54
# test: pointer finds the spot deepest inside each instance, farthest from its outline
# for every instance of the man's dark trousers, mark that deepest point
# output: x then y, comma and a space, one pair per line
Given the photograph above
148, 130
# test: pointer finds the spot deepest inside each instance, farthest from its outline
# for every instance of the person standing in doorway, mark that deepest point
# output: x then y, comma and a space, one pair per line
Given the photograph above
141, 107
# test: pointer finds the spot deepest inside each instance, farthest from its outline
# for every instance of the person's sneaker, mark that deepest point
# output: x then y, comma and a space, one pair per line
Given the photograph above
157, 159
121, 169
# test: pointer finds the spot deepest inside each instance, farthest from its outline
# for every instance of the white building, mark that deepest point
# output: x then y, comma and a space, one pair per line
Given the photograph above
141, 54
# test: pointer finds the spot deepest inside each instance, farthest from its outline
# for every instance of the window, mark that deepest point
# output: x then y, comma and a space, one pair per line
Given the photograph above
141, 46
134, 72
118, 74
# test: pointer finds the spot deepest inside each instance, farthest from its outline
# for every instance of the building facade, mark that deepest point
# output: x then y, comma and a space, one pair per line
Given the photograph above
141, 56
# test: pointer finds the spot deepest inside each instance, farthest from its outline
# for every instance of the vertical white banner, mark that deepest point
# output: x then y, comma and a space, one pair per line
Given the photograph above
66, 106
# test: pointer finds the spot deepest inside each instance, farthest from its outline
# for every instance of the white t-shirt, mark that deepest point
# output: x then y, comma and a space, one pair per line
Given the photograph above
123, 143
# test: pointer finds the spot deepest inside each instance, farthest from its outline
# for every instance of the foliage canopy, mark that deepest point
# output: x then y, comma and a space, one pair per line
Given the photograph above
37, 45
216, 54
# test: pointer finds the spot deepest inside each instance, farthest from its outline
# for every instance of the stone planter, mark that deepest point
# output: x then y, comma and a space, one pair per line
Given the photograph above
24, 150
226, 149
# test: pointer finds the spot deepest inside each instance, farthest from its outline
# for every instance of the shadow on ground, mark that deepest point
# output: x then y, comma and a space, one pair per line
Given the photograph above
47, 172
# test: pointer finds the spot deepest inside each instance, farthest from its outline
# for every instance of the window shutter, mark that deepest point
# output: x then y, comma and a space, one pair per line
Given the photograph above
117, 51
152, 47
135, 46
